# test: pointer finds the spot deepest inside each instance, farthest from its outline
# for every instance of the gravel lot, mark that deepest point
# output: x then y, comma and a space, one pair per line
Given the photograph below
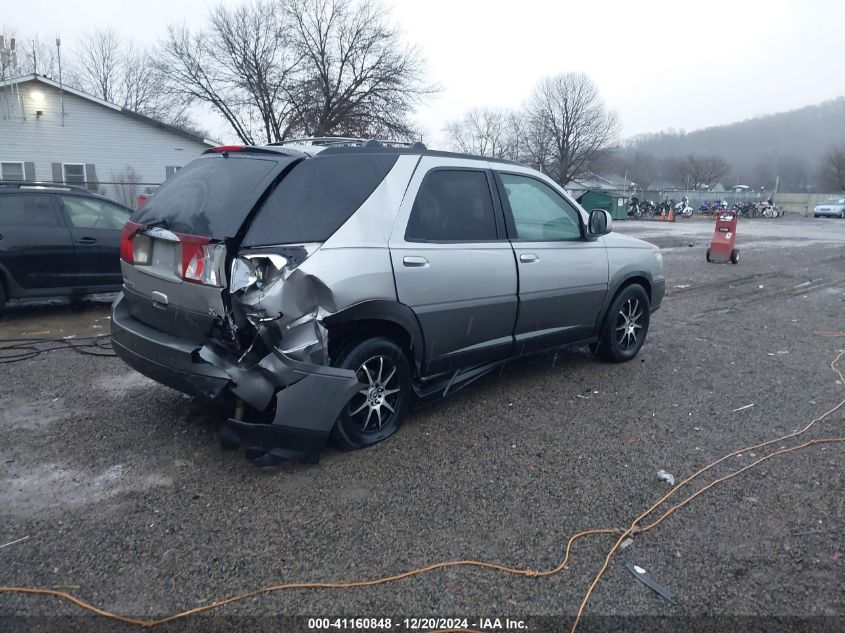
129, 502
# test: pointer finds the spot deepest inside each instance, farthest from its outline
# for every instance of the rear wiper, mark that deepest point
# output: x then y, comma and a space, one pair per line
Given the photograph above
148, 225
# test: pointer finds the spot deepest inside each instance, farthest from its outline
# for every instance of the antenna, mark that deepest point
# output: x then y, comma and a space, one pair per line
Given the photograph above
61, 89
8, 70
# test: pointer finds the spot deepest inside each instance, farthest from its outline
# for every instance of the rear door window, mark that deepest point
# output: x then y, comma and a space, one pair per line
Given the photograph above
452, 206
86, 213
317, 197
211, 196
27, 210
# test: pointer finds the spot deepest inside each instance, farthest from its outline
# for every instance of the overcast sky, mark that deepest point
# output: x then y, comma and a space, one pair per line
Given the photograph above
661, 64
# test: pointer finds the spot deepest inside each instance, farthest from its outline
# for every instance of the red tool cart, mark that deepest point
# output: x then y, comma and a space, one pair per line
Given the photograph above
722, 248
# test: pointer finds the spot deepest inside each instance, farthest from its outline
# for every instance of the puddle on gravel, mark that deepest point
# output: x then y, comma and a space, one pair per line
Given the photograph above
56, 318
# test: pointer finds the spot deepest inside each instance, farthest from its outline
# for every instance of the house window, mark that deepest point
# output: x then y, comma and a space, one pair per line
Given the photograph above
11, 171
73, 174
170, 170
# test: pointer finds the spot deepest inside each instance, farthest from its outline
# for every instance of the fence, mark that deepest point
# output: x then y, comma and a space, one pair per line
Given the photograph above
801, 203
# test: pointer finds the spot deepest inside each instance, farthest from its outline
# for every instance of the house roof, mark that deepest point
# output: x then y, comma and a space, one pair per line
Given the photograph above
84, 95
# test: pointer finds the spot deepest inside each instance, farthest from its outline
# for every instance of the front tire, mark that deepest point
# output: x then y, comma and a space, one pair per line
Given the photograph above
735, 256
625, 326
2, 298
377, 411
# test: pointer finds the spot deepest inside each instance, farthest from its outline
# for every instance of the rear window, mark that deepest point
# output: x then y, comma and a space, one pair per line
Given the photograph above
210, 196
317, 197
27, 210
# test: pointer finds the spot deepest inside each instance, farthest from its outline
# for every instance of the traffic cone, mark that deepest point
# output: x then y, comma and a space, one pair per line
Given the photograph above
671, 217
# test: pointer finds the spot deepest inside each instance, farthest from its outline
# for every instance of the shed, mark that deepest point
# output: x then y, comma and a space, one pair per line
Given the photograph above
615, 204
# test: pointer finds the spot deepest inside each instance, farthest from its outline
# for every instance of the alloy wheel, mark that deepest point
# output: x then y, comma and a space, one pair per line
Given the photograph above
629, 323
374, 405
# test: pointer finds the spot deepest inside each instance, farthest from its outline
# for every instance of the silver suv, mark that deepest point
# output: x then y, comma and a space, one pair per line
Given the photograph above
317, 288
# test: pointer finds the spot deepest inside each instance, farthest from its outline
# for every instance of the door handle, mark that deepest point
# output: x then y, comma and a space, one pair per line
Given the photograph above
527, 258
86, 240
415, 262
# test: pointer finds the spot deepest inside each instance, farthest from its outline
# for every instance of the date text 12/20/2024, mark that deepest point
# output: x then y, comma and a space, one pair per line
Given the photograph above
415, 624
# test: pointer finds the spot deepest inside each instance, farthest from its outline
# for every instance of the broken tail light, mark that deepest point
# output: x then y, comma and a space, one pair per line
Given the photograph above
249, 270
202, 262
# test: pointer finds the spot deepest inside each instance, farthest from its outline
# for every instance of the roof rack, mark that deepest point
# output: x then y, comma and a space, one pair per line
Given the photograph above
32, 184
341, 141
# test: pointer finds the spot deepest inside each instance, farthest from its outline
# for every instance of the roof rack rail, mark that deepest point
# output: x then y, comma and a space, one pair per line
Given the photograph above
33, 184
342, 141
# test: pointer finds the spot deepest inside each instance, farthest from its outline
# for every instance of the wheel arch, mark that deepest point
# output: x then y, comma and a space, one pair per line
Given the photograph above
618, 285
390, 319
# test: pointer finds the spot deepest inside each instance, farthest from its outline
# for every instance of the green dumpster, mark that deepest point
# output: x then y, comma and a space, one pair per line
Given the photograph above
615, 204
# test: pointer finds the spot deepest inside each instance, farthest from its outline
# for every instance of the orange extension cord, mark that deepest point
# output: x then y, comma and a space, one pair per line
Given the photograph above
622, 534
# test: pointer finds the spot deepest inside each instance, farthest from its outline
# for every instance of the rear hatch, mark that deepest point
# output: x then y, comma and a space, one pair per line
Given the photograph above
174, 248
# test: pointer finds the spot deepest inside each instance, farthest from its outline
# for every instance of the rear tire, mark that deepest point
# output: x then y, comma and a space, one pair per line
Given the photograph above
378, 410
735, 256
625, 326
707, 255
2, 298
842, 215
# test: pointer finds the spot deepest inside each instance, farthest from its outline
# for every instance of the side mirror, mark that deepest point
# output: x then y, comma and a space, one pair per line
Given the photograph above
600, 223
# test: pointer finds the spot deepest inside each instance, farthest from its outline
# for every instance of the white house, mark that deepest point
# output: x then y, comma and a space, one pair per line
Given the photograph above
52, 133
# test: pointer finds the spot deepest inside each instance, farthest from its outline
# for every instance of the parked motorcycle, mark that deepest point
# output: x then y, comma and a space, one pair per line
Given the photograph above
745, 209
767, 209
634, 210
649, 208
683, 209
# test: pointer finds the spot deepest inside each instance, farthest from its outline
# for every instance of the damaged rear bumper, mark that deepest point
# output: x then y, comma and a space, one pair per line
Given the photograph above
303, 398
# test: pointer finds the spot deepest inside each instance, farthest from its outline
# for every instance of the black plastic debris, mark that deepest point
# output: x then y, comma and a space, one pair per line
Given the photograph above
643, 576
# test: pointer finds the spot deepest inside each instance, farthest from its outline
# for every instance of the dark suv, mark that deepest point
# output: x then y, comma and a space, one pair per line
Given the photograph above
317, 288
57, 240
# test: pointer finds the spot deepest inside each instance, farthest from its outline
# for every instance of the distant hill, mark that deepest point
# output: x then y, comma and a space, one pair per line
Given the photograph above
788, 144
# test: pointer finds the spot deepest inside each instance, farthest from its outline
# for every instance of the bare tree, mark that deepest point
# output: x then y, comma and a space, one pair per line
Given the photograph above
358, 78
41, 58
126, 185
256, 58
640, 167
705, 171
120, 72
567, 116
98, 65
32, 55
273, 69
833, 169
186, 64
696, 172
485, 132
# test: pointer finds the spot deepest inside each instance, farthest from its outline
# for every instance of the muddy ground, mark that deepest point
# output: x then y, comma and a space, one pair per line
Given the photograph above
125, 499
